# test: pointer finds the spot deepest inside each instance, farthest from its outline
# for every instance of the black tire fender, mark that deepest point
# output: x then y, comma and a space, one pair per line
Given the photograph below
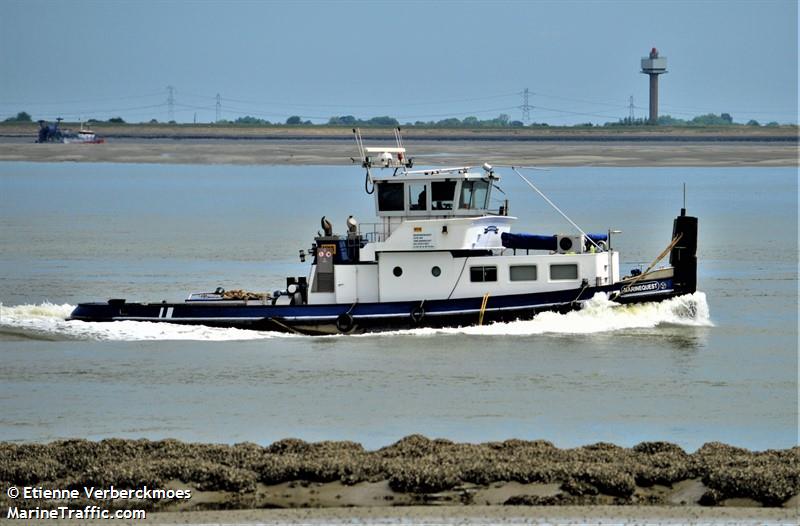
345, 323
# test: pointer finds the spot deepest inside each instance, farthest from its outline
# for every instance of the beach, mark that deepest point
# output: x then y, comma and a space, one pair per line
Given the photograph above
416, 479
334, 146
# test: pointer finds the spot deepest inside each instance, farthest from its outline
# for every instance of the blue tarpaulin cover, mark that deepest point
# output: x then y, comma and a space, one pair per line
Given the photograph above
538, 242
528, 241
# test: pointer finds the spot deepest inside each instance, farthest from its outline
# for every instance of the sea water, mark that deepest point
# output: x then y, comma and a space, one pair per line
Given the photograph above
720, 364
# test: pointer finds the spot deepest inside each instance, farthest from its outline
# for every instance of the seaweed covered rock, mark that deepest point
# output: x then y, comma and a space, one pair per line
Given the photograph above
654, 448
608, 480
288, 445
770, 477
662, 463
425, 475
579, 488
416, 465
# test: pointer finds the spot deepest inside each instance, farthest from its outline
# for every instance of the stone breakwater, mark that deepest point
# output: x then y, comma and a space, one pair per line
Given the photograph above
415, 470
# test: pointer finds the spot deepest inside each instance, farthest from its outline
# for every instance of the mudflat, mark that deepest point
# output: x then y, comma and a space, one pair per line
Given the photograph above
208, 144
424, 152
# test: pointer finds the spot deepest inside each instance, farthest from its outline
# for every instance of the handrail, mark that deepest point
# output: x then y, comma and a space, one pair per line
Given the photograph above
655, 261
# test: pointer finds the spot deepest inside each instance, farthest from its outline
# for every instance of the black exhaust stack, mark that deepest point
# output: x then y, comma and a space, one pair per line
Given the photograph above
683, 256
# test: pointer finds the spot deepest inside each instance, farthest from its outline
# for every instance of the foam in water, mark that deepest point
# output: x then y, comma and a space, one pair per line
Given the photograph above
49, 321
597, 315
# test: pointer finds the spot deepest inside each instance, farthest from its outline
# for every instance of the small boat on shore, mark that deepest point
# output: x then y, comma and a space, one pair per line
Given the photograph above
83, 136
442, 254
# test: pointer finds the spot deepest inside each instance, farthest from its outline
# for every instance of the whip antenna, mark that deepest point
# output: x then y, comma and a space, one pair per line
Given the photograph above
557, 209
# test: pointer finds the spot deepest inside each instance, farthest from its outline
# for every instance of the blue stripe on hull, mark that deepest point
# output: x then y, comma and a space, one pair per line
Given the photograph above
318, 319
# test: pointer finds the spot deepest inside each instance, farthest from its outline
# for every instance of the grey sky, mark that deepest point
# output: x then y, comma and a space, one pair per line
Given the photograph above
412, 60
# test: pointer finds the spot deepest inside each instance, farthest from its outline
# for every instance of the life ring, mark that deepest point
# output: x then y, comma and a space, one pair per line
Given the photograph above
417, 314
345, 323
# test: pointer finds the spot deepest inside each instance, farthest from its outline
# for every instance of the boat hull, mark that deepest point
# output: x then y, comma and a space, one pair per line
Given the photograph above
371, 317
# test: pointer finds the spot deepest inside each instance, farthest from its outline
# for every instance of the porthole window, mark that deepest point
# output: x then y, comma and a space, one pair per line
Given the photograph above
397, 271
436, 271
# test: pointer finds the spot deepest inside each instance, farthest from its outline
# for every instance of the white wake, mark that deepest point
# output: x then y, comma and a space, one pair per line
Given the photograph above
48, 321
598, 315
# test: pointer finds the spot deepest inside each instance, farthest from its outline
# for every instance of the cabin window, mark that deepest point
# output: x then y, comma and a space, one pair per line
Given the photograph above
569, 271
481, 274
417, 196
474, 194
397, 271
390, 197
436, 271
443, 194
523, 272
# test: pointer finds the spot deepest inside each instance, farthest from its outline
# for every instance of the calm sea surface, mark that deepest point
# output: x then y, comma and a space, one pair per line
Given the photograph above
78, 232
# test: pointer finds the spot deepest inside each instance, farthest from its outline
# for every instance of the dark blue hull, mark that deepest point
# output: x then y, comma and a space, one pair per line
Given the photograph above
368, 317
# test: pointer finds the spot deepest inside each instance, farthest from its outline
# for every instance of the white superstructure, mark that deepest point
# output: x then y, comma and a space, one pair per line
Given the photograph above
440, 236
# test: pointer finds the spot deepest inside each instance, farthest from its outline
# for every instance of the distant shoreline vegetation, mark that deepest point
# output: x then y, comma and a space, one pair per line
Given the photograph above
501, 121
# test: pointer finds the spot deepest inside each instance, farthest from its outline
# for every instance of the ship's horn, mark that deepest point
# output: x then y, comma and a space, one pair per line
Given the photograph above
327, 227
352, 225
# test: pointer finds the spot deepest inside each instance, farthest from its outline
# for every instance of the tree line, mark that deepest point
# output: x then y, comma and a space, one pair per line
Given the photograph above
501, 121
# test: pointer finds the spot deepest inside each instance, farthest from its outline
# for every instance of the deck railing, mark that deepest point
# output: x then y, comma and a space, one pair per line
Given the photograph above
373, 232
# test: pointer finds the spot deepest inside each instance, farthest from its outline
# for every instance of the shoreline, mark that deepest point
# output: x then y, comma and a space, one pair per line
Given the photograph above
512, 475
552, 152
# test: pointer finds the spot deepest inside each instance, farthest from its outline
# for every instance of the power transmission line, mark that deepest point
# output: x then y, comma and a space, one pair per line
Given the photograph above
526, 108
346, 105
171, 102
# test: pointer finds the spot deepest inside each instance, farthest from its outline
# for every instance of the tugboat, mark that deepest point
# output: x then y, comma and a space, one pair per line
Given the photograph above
442, 255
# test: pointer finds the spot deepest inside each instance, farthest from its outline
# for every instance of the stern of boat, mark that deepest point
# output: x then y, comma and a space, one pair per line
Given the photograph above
683, 256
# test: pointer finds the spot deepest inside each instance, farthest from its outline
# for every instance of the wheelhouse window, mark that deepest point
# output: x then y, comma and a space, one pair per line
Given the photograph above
417, 196
474, 195
567, 271
481, 274
390, 197
523, 273
443, 194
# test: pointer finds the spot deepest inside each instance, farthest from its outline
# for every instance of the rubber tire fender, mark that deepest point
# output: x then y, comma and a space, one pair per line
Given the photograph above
345, 323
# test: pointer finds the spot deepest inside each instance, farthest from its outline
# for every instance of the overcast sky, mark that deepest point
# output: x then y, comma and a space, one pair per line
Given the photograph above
412, 60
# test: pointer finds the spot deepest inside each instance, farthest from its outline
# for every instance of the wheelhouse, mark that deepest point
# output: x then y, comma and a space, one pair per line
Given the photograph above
435, 194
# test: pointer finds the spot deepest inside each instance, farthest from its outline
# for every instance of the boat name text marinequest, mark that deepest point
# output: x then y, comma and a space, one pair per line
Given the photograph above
653, 285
